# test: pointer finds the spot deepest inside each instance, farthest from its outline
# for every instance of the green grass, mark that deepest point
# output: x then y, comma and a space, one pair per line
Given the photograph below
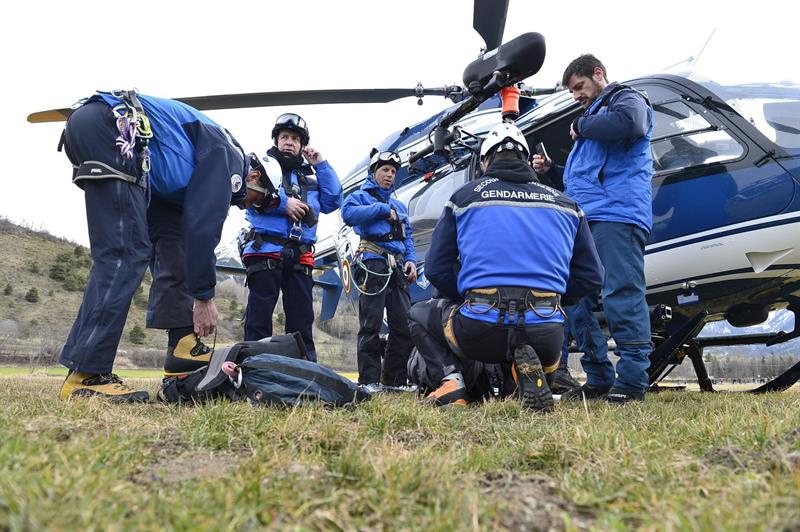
60, 371
681, 460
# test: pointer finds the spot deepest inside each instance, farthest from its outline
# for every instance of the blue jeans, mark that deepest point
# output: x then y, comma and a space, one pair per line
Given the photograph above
621, 250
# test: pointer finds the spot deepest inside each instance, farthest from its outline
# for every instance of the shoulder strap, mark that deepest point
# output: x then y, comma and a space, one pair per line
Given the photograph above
375, 194
302, 183
619, 89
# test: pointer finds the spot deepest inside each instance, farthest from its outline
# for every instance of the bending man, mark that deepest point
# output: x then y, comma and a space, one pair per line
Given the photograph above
191, 170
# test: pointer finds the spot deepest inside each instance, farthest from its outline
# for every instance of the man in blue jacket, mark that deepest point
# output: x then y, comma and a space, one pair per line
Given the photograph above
129, 150
609, 172
278, 250
387, 264
522, 246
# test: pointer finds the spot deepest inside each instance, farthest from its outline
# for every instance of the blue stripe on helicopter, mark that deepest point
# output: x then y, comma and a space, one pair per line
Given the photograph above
713, 236
738, 271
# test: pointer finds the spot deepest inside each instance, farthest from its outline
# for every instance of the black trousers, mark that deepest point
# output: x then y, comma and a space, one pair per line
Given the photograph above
395, 299
448, 341
298, 307
170, 303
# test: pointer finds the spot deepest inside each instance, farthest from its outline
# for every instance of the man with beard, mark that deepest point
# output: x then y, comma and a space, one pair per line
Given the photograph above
609, 172
278, 250
521, 247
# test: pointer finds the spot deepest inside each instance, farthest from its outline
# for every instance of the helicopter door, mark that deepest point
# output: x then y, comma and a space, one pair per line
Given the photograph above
426, 200
707, 173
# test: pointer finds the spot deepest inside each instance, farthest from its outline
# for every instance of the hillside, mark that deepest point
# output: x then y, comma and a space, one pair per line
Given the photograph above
33, 331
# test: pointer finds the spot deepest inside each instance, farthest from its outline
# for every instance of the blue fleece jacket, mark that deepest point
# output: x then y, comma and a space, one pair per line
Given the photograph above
610, 167
324, 195
370, 217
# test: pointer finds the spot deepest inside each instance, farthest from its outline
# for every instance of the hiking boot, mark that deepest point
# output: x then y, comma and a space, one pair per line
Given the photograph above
106, 385
531, 380
564, 381
618, 396
588, 391
450, 392
186, 355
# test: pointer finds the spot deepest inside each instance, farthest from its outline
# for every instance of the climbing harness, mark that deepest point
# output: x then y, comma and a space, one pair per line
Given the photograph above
512, 302
134, 128
366, 246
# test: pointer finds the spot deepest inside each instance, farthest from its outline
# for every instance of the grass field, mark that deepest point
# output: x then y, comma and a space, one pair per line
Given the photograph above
681, 460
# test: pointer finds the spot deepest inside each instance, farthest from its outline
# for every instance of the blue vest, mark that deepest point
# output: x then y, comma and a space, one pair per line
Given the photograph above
369, 217
513, 234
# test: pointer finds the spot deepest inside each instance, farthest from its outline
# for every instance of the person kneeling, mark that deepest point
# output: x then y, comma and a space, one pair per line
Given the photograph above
503, 305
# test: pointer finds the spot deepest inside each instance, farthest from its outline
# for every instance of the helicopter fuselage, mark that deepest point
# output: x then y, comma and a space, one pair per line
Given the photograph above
726, 213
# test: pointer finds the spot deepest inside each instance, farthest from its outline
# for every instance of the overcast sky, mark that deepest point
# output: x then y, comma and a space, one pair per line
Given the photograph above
54, 54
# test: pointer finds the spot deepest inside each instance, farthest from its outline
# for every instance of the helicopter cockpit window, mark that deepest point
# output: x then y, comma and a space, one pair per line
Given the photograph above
676, 118
426, 201
683, 137
704, 147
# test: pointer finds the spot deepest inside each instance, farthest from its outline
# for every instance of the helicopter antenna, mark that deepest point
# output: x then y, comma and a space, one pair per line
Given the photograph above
688, 60
691, 61
695, 59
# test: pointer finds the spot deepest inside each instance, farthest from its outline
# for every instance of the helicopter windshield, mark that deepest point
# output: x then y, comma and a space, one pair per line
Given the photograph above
773, 108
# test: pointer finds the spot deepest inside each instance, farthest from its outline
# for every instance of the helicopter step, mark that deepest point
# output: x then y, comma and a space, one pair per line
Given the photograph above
671, 350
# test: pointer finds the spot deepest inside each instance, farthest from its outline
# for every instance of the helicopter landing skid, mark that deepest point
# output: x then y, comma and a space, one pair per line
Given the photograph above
672, 350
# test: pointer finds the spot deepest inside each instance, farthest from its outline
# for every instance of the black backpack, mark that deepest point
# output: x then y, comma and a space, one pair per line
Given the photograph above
209, 382
274, 371
277, 380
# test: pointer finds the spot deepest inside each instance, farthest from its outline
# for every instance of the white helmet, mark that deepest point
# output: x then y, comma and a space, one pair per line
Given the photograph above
505, 137
270, 172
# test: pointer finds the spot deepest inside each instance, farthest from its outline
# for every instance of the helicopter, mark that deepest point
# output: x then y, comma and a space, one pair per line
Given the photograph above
726, 213
726, 171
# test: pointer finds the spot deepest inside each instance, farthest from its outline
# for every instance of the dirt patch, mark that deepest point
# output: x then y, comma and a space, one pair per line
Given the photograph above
535, 503
778, 456
731, 456
410, 437
187, 466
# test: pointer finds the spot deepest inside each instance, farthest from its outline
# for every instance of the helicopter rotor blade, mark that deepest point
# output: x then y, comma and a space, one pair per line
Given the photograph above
269, 99
313, 97
53, 115
489, 20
